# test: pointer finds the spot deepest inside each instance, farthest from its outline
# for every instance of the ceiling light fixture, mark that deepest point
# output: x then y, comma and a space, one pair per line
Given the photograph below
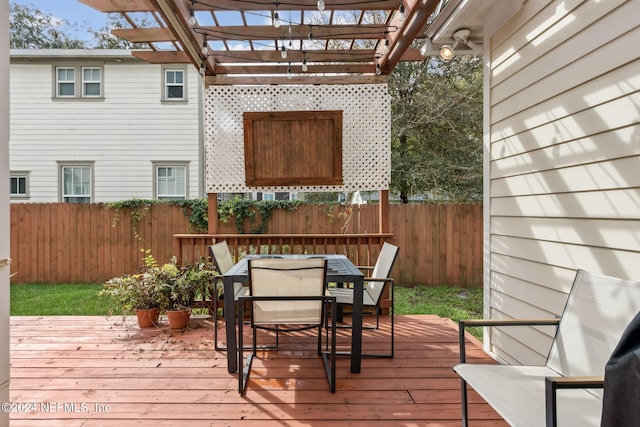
460, 36
320, 5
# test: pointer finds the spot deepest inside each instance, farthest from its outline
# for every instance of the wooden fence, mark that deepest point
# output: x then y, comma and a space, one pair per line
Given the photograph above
89, 243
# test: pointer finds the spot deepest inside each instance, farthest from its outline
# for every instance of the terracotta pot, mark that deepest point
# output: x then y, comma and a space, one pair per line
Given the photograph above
148, 317
178, 319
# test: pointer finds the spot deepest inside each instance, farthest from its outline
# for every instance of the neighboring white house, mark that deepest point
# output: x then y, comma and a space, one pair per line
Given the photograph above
102, 125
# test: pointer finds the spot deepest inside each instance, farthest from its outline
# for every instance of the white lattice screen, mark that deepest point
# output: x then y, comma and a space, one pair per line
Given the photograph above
366, 139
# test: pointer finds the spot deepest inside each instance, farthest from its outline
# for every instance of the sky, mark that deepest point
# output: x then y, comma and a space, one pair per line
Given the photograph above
71, 10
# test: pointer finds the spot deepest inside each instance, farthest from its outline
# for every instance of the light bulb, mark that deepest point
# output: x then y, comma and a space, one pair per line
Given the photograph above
401, 13
192, 19
304, 65
283, 52
320, 5
276, 20
205, 48
447, 52
378, 70
289, 75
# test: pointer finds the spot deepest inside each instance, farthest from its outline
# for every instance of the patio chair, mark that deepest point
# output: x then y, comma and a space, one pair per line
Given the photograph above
374, 289
288, 295
221, 256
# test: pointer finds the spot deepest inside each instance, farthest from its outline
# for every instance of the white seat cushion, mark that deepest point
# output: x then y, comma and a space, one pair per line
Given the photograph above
517, 393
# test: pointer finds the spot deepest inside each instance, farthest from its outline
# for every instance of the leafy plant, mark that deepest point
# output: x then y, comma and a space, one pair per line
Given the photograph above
243, 210
165, 286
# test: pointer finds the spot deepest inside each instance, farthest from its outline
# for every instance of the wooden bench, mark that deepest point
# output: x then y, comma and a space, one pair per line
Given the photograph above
597, 311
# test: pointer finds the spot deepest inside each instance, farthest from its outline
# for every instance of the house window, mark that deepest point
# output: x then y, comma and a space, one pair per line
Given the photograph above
19, 185
76, 183
91, 78
65, 82
174, 85
268, 196
171, 182
78, 82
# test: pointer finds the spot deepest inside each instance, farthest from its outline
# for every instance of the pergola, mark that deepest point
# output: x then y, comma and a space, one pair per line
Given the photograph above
269, 41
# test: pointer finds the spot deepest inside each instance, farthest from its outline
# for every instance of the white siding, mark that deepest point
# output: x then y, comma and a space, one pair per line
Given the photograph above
122, 134
564, 159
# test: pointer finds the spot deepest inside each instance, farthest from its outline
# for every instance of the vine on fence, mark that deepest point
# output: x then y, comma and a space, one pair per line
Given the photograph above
243, 209
195, 209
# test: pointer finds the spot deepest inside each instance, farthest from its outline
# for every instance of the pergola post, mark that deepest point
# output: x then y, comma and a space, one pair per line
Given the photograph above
383, 211
212, 215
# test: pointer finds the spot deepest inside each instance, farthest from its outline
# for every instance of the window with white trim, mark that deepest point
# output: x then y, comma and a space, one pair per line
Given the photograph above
78, 82
19, 184
174, 88
171, 182
91, 82
76, 181
65, 82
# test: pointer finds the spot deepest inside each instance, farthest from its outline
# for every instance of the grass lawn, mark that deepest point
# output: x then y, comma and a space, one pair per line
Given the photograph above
58, 300
83, 300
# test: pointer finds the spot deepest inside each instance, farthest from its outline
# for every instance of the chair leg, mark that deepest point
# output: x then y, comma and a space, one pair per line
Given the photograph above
465, 414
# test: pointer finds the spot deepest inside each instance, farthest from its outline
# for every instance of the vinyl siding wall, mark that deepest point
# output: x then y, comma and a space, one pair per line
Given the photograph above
122, 134
564, 160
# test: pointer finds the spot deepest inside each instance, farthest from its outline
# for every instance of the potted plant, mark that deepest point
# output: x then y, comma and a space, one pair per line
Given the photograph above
167, 287
183, 285
136, 293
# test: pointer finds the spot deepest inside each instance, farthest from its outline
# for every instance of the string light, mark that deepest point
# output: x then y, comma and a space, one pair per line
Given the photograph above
401, 13
205, 47
283, 52
289, 75
320, 5
276, 18
304, 64
192, 17
378, 70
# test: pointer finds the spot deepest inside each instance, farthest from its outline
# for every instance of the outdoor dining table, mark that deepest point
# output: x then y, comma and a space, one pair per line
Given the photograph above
339, 270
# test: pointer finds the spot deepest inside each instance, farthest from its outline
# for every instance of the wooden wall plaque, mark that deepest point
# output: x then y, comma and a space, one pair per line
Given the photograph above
293, 148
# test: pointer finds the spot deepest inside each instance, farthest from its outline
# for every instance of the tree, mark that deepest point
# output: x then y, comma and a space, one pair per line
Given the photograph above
436, 129
103, 39
30, 28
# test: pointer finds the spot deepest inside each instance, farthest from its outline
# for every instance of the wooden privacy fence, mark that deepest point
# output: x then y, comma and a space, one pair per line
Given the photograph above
90, 243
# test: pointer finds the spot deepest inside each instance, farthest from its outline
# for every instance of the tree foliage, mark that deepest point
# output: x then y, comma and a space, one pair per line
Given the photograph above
103, 39
436, 130
31, 28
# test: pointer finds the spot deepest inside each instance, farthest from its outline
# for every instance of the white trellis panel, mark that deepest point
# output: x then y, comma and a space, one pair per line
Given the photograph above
366, 127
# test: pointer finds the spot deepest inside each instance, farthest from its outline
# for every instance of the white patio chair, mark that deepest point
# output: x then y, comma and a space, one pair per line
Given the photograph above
288, 295
221, 256
374, 288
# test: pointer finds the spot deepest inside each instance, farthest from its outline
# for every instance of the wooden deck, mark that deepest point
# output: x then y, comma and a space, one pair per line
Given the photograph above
97, 371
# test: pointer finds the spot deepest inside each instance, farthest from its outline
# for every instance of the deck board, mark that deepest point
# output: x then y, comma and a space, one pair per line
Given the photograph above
105, 371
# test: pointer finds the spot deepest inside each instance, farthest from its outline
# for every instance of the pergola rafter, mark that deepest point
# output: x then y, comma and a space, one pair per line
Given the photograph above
350, 41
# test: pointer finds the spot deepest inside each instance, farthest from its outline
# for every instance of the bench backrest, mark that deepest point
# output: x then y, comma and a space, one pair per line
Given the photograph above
598, 310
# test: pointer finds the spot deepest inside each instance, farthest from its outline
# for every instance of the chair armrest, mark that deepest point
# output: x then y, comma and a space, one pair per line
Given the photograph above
496, 322
551, 386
